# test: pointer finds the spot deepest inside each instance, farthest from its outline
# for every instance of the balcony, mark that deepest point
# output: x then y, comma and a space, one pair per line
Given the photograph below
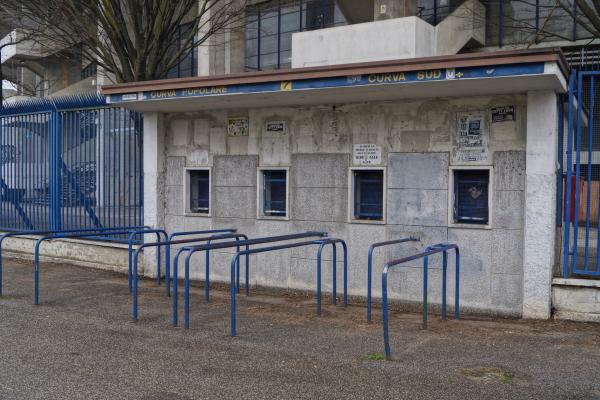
391, 39
19, 46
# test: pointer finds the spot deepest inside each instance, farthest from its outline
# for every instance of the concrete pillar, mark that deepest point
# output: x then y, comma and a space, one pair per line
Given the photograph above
540, 204
154, 181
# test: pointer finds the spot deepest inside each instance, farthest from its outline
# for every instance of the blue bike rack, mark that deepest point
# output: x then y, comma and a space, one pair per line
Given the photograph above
51, 232
92, 235
191, 250
321, 244
246, 243
168, 250
159, 244
437, 248
142, 232
370, 266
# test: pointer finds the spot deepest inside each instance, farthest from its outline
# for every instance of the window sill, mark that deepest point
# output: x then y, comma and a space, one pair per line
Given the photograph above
470, 226
367, 221
273, 218
191, 214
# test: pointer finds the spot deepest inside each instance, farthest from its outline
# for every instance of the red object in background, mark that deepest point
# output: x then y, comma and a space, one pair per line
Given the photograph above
572, 205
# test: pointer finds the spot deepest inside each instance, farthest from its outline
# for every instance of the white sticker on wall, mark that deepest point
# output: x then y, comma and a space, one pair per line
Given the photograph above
472, 137
276, 126
237, 126
367, 154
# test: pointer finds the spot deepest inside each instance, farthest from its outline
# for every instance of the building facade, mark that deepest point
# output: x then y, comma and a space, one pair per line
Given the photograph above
377, 120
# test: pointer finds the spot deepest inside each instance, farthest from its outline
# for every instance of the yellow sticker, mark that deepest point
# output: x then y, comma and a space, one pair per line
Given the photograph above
286, 86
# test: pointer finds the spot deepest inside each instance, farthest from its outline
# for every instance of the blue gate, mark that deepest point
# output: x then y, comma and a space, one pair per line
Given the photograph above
579, 158
69, 163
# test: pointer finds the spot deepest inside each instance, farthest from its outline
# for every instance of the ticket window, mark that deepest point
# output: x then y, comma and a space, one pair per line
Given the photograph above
368, 194
471, 196
198, 191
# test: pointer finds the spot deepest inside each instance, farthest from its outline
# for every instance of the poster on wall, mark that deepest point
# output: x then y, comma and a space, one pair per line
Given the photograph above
367, 154
237, 126
503, 114
472, 136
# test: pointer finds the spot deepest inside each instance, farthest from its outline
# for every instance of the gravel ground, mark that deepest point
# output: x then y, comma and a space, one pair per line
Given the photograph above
81, 343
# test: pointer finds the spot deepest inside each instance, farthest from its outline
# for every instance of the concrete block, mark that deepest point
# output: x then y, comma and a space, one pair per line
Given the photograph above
508, 210
218, 140
174, 200
319, 170
417, 207
175, 166
179, 131
235, 171
476, 249
237, 202
507, 251
320, 204
201, 132
577, 299
509, 170
418, 171
197, 223
506, 295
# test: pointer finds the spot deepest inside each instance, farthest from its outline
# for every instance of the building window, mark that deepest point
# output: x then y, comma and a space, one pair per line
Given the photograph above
273, 192
471, 196
368, 194
188, 62
198, 191
269, 29
90, 70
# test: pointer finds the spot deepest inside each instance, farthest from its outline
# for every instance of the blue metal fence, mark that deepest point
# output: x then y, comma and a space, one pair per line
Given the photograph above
579, 158
72, 162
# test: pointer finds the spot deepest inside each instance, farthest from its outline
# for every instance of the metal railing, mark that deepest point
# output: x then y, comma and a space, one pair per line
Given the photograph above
370, 266
429, 251
215, 246
321, 244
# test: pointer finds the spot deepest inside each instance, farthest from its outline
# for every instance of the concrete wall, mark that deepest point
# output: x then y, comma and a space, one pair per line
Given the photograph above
85, 253
418, 141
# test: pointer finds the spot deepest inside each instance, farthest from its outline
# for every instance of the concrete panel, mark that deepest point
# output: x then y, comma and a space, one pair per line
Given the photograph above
509, 170
508, 209
234, 202
319, 170
174, 200
179, 132
417, 207
235, 171
320, 204
418, 171
175, 167
476, 249
507, 251
507, 291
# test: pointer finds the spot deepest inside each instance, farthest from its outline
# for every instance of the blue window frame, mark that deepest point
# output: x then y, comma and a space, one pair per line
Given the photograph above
199, 191
471, 194
368, 194
188, 64
275, 193
269, 29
